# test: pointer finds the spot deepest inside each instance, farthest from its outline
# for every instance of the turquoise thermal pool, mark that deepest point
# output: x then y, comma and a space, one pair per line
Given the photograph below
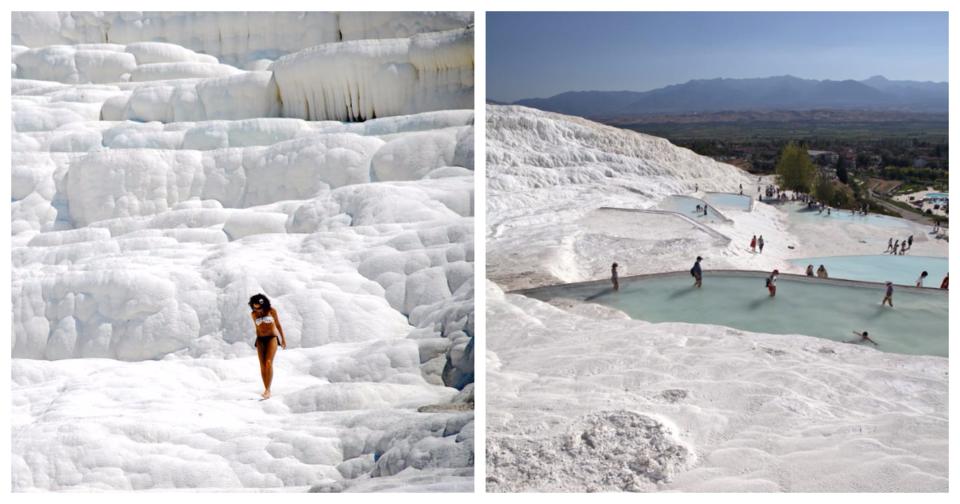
902, 270
729, 200
687, 205
828, 309
799, 213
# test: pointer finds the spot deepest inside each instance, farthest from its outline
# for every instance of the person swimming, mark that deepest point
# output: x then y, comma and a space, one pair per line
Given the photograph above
269, 332
863, 336
888, 295
697, 273
614, 277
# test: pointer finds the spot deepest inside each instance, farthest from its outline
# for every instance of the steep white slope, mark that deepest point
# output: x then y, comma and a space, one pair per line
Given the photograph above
375, 78
547, 172
137, 244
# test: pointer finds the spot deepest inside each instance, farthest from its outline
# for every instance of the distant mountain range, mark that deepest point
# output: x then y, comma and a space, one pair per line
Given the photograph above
768, 93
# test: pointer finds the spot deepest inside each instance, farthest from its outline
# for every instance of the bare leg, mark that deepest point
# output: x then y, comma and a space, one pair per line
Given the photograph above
266, 353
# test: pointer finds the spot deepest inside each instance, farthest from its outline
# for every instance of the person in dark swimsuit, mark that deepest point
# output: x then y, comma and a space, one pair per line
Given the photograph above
269, 335
615, 277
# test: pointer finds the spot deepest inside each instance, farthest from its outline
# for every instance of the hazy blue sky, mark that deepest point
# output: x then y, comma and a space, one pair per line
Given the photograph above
540, 54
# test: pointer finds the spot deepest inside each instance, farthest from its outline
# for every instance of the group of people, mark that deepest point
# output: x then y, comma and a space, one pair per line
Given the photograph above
702, 209
821, 271
756, 242
898, 248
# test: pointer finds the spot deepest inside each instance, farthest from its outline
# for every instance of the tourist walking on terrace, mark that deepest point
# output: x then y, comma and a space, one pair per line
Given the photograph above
910, 241
269, 333
945, 283
896, 247
753, 244
862, 338
809, 270
697, 273
888, 295
890, 244
614, 277
772, 283
920, 280
822, 272
760, 243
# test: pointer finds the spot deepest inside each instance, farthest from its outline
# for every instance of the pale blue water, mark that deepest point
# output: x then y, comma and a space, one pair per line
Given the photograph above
898, 269
916, 325
938, 195
728, 200
798, 212
687, 205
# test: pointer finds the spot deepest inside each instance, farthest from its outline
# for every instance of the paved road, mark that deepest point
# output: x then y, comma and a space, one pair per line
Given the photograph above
906, 214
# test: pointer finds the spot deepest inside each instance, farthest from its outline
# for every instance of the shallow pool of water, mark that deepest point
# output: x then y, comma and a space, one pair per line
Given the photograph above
799, 213
828, 309
729, 200
902, 270
687, 205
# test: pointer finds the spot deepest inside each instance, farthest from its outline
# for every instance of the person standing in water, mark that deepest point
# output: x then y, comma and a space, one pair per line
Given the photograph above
809, 270
753, 244
888, 296
921, 279
760, 243
614, 277
862, 338
772, 283
946, 282
822, 272
697, 273
269, 334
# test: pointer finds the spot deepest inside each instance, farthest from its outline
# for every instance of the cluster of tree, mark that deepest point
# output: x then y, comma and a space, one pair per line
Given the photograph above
915, 175
796, 172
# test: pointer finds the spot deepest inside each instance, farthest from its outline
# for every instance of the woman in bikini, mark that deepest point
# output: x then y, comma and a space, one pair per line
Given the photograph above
269, 333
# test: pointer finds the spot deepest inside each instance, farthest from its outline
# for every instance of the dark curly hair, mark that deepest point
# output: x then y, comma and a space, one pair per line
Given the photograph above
261, 300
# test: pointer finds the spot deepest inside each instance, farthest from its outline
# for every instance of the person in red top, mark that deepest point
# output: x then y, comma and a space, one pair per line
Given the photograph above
753, 244
945, 282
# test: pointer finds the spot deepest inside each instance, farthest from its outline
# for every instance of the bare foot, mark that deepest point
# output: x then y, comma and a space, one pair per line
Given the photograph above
265, 394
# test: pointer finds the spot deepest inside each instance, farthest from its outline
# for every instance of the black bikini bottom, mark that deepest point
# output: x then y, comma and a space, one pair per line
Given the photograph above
263, 340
